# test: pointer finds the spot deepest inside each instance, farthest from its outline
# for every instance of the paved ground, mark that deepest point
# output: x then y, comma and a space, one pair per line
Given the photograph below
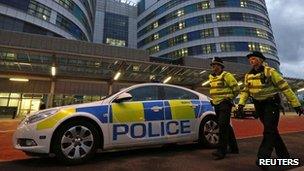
181, 157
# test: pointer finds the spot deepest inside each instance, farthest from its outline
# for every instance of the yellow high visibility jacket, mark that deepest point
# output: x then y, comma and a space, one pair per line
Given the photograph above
223, 86
260, 90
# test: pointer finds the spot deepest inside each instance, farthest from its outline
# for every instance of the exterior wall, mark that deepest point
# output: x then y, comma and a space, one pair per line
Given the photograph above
46, 15
204, 29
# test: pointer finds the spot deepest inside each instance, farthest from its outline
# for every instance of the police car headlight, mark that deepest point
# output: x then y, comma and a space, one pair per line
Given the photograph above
40, 115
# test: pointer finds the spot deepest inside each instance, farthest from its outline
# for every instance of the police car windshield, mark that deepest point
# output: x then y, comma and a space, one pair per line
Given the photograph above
107, 96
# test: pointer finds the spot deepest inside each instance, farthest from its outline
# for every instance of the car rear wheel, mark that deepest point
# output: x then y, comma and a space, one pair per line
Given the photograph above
76, 142
209, 132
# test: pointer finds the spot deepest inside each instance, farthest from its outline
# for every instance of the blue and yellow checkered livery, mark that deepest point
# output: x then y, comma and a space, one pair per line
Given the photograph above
135, 112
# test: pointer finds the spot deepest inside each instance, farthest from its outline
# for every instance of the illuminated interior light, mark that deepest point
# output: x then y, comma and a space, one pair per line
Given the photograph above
53, 71
203, 72
206, 83
19, 79
117, 75
167, 79
300, 90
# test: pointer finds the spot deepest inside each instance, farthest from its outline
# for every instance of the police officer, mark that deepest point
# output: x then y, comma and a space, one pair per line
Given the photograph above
263, 84
223, 89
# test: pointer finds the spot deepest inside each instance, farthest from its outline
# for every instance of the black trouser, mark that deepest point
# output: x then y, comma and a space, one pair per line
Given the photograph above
226, 137
269, 113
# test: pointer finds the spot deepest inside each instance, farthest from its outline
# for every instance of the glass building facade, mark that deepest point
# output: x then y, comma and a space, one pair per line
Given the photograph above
72, 19
229, 29
116, 29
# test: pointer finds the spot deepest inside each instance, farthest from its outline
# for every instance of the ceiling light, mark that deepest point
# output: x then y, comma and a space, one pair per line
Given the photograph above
300, 90
167, 79
19, 79
117, 75
203, 72
206, 83
53, 71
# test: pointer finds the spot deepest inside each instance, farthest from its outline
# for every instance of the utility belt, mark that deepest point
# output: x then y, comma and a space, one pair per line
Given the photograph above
260, 104
224, 102
273, 99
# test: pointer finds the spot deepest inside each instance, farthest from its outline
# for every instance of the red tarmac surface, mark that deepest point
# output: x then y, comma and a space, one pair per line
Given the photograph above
244, 128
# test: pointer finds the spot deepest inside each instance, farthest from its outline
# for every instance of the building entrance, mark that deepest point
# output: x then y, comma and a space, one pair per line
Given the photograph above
14, 105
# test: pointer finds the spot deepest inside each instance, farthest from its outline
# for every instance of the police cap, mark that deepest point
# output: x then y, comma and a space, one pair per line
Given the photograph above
256, 54
218, 61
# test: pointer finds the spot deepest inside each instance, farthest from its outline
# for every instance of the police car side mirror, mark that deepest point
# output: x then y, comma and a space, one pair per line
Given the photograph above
123, 97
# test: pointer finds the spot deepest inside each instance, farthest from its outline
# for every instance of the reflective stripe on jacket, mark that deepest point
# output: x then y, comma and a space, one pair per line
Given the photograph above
223, 86
265, 85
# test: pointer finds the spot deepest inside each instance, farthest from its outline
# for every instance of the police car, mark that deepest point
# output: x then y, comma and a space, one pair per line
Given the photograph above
141, 115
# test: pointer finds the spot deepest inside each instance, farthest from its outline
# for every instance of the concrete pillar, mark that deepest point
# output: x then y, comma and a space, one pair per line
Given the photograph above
50, 97
110, 87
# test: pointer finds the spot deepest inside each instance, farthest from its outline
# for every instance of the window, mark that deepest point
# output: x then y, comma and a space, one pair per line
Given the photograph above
141, 7
247, 46
226, 3
180, 13
222, 17
195, 35
253, 5
76, 11
116, 27
88, 9
145, 93
39, 10
70, 27
245, 31
175, 14
207, 33
153, 49
181, 25
234, 46
177, 93
204, 5
163, 8
155, 25
21, 5
210, 48
116, 42
191, 51
156, 36
242, 17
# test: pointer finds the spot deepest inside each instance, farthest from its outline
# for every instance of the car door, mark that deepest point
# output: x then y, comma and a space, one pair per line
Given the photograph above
138, 121
182, 109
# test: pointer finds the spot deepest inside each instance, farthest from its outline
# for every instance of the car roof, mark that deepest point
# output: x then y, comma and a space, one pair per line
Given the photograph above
162, 84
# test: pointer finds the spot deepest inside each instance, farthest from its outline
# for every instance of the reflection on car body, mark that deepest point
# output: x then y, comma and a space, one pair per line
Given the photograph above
141, 115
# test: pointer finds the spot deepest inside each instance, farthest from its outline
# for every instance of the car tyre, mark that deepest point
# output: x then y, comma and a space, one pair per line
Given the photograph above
76, 142
209, 132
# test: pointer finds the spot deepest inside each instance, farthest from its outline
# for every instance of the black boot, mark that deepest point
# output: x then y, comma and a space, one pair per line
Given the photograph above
217, 155
233, 150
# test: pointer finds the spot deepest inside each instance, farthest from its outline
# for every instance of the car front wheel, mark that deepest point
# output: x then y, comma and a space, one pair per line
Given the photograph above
76, 142
209, 132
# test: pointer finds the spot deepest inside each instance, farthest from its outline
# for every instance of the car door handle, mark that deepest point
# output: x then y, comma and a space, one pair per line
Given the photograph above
156, 108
